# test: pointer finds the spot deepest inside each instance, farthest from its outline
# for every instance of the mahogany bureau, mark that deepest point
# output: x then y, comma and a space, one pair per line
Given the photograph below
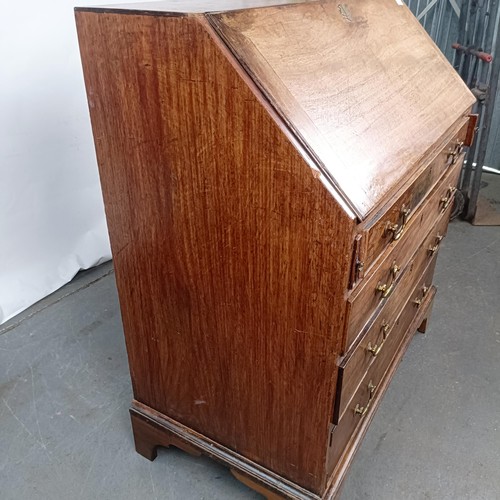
277, 181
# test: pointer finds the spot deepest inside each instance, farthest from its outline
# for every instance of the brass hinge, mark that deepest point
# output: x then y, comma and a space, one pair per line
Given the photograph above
357, 266
360, 267
332, 428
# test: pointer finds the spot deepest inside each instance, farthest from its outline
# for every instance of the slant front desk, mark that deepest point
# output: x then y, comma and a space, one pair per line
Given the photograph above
277, 180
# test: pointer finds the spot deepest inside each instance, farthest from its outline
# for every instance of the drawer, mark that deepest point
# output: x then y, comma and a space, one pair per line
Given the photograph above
384, 280
391, 226
375, 340
367, 396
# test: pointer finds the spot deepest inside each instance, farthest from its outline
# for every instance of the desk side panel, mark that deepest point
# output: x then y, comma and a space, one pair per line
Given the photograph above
231, 257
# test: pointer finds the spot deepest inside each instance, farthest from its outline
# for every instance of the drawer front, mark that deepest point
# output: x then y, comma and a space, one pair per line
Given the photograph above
384, 281
393, 224
375, 382
376, 337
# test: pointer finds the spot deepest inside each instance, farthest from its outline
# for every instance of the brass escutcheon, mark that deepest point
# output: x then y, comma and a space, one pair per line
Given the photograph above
361, 410
398, 228
388, 288
455, 153
418, 302
433, 249
446, 200
375, 350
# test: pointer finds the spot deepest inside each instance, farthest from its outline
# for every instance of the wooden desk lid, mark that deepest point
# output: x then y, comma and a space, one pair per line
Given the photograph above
359, 82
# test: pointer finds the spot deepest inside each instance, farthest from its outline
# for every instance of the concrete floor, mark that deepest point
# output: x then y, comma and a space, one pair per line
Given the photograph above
65, 391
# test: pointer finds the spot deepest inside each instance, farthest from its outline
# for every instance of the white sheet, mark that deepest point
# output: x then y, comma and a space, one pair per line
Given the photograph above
52, 220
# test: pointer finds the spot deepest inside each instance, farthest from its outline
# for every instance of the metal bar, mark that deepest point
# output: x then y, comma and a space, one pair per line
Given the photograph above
445, 43
489, 35
427, 9
459, 66
455, 7
472, 156
440, 24
491, 170
435, 19
462, 21
477, 38
417, 8
487, 119
469, 39
442, 19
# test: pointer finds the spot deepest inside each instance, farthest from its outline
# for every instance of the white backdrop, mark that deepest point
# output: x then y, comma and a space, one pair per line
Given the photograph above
51, 213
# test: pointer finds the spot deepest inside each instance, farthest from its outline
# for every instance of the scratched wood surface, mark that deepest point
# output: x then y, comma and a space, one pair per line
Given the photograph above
231, 257
359, 81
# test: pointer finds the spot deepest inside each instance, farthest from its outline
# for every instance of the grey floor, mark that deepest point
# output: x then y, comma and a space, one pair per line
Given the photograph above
65, 390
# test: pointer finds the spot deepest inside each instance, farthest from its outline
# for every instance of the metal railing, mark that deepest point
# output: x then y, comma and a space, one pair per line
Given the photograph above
474, 24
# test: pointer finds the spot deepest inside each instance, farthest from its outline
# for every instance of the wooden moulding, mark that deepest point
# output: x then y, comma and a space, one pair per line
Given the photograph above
152, 429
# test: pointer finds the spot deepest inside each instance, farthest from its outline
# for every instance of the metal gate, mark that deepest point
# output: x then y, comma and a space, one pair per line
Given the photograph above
472, 23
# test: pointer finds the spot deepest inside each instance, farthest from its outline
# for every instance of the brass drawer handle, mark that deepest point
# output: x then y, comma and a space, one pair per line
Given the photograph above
433, 249
361, 410
418, 302
398, 228
388, 288
457, 151
375, 350
446, 200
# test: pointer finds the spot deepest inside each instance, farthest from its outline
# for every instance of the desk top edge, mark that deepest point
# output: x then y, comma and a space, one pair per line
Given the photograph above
180, 8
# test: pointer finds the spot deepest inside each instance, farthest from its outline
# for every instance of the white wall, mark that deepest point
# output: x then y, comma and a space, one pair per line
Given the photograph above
51, 213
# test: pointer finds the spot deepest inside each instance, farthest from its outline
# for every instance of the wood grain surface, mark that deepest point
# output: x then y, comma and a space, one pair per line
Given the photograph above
230, 255
359, 81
